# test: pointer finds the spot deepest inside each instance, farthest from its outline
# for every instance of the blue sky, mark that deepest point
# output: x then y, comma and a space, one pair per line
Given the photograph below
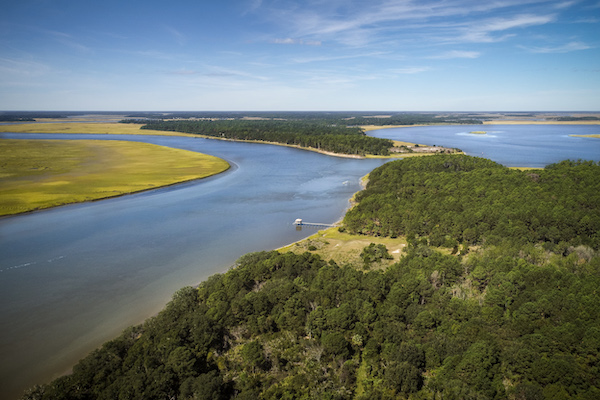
395, 55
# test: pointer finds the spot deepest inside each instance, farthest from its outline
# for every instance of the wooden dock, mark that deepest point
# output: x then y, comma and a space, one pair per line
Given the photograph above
300, 222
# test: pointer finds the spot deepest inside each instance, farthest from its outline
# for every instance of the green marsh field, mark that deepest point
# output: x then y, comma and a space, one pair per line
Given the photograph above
37, 174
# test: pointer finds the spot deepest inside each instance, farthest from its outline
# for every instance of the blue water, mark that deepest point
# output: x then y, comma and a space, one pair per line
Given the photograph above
75, 276
510, 145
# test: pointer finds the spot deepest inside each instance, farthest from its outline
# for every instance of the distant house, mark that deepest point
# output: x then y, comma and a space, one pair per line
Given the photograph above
298, 221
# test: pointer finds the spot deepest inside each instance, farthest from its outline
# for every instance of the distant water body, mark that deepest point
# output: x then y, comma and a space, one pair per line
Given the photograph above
510, 145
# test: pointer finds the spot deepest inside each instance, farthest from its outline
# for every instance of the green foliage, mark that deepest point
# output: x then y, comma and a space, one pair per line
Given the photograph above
373, 253
472, 200
308, 133
511, 320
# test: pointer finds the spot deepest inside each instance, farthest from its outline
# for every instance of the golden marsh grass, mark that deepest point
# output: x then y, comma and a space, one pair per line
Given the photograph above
37, 174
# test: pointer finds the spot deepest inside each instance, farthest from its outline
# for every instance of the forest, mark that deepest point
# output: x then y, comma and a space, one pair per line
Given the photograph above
354, 118
495, 297
321, 136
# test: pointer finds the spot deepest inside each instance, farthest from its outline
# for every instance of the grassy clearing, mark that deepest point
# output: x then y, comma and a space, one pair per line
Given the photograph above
345, 248
87, 128
36, 174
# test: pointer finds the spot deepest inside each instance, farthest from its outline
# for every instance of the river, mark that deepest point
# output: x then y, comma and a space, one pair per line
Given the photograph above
75, 276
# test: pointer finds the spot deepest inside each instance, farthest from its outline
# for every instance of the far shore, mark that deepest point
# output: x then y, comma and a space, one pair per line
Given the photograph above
115, 128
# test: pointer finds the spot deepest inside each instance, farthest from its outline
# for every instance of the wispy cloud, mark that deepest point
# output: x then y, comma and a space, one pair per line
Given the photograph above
564, 4
303, 60
351, 23
566, 48
297, 41
179, 37
217, 72
22, 68
67, 40
456, 54
410, 70
492, 30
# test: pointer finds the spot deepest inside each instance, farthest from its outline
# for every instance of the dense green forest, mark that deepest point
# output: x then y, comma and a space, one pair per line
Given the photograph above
474, 201
321, 136
507, 310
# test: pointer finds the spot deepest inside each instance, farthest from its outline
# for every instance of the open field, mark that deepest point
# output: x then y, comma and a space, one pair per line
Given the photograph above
36, 174
87, 128
345, 248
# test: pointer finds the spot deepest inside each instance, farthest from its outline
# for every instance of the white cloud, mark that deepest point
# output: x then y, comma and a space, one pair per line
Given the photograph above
410, 70
297, 41
355, 24
456, 54
566, 48
564, 4
483, 31
303, 60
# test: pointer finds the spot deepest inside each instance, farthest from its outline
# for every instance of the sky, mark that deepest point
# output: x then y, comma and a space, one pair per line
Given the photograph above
312, 55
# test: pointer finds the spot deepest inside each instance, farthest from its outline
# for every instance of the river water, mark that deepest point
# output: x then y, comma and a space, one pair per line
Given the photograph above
75, 276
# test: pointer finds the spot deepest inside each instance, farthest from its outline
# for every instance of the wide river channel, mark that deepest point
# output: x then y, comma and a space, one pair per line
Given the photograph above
75, 276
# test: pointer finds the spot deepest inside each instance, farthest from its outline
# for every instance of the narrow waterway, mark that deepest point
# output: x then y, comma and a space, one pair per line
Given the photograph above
75, 276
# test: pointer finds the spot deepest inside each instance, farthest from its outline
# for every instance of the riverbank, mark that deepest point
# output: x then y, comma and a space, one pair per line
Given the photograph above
39, 174
115, 128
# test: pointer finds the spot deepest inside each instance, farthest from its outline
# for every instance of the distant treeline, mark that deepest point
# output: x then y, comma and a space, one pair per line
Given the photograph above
354, 118
32, 115
15, 118
317, 135
586, 118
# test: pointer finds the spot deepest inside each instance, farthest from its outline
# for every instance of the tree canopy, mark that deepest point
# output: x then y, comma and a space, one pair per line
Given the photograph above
492, 314
314, 134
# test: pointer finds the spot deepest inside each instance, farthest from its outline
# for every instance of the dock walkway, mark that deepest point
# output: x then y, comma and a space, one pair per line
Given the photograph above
299, 222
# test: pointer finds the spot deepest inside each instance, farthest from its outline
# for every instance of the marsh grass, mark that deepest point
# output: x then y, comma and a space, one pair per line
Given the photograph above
36, 174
